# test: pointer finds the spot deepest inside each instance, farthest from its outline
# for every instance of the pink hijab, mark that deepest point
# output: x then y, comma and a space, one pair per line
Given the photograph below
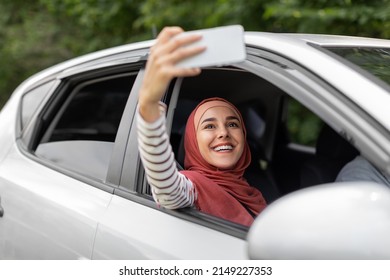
222, 193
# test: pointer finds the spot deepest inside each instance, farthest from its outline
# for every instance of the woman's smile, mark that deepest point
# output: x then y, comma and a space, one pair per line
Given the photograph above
223, 148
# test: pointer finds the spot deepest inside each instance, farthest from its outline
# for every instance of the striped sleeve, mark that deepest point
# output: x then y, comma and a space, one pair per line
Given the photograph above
170, 188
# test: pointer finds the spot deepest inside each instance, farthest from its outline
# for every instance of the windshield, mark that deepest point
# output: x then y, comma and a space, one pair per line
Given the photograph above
374, 60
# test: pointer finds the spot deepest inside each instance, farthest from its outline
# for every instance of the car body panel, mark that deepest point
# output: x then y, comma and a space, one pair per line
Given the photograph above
47, 215
158, 235
8, 118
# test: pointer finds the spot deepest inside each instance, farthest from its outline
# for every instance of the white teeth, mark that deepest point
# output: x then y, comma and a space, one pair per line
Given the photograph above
224, 147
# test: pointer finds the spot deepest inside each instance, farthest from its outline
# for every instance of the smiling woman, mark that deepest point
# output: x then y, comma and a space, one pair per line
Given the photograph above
217, 154
213, 180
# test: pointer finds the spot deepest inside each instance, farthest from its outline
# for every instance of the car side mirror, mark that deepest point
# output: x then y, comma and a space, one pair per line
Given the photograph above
349, 220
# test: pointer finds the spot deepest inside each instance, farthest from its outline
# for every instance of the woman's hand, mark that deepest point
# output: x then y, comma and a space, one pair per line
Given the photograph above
161, 68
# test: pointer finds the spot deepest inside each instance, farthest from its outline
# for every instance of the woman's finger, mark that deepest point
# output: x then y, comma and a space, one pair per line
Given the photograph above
173, 39
167, 33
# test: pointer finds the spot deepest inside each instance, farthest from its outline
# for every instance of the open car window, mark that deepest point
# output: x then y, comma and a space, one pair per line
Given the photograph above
292, 147
284, 135
260, 104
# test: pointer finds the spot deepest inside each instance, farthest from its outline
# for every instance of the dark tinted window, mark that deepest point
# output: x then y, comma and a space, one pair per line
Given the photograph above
82, 133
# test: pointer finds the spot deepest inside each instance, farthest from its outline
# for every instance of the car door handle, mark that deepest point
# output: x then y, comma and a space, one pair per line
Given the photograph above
1, 209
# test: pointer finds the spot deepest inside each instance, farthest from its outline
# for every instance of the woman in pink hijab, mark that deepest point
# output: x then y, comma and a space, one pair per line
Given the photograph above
217, 153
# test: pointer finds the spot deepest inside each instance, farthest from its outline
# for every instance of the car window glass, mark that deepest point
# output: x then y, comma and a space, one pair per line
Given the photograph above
374, 60
82, 134
31, 100
303, 125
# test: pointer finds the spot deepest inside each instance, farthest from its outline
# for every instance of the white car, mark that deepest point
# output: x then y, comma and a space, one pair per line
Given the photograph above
72, 185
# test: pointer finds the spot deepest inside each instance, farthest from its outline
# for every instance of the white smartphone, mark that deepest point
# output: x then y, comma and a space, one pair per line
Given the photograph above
225, 45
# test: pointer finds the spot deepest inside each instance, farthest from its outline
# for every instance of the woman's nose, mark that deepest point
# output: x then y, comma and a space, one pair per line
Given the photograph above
223, 132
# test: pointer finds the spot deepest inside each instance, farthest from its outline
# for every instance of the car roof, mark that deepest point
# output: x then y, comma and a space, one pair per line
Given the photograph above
297, 47
319, 39
324, 39
250, 38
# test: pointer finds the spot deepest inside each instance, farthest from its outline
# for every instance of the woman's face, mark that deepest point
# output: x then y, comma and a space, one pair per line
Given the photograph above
220, 137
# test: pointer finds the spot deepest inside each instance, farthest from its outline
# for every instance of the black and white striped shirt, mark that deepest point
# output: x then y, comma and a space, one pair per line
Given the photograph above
170, 188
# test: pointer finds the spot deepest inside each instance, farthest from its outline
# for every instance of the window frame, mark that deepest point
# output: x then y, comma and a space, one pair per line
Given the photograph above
133, 184
31, 135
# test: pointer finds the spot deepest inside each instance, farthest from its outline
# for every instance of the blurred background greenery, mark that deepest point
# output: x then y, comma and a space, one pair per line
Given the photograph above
36, 34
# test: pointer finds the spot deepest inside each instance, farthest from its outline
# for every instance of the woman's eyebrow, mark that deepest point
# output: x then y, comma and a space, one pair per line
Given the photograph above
232, 118
228, 118
208, 120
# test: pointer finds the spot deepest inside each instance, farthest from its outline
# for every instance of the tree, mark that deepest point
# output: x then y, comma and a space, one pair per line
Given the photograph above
31, 40
369, 18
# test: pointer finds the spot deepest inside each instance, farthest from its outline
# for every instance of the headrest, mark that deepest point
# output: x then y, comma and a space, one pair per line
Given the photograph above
255, 127
333, 145
254, 124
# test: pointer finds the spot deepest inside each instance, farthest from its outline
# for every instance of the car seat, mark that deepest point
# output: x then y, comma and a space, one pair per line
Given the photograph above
259, 173
332, 153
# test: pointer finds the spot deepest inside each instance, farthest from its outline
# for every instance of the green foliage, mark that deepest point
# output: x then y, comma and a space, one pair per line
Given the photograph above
303, 125
103, 23
349, 17
29, 42
201, 13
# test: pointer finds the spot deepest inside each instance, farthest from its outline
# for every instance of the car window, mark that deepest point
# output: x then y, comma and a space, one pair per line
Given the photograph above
82, 131
31, 100
303, 125
259, 104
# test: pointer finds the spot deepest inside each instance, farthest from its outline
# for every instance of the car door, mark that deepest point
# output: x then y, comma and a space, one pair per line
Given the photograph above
53, 183
47, 214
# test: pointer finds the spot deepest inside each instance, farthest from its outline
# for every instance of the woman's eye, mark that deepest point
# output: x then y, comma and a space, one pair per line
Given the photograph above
208, 126
233, 124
